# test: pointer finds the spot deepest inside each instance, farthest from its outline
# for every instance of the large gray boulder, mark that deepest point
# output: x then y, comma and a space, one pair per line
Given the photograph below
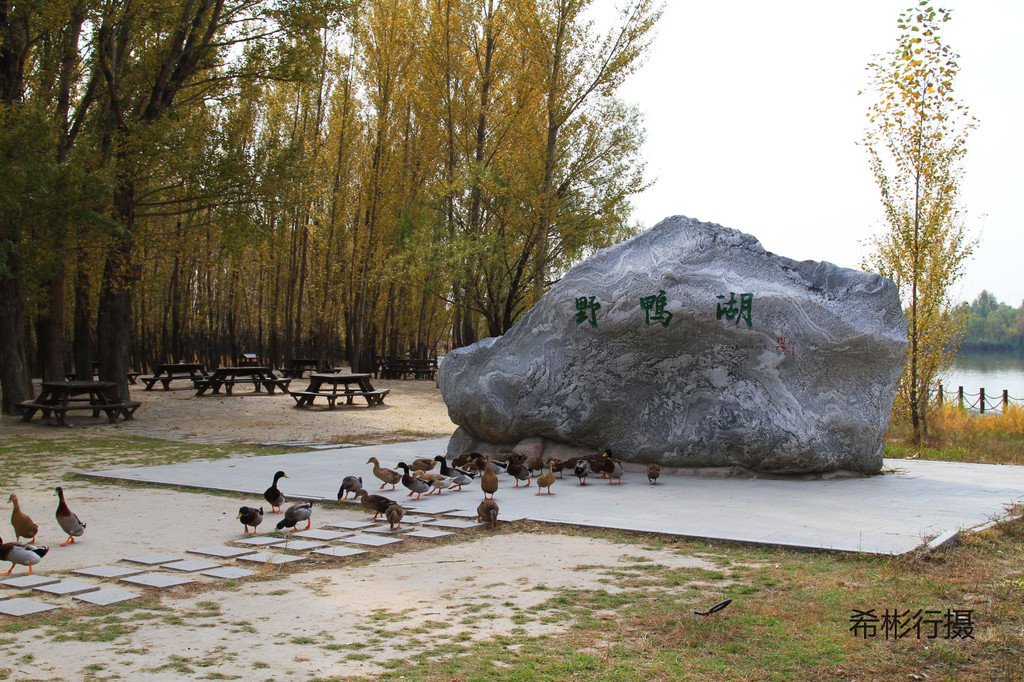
691, 346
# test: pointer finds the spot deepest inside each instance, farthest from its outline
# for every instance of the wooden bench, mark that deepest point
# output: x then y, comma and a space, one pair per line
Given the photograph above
375, 397
125, 410
272, 382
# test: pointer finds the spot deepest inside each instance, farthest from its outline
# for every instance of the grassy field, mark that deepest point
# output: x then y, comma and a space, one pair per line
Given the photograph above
792, 615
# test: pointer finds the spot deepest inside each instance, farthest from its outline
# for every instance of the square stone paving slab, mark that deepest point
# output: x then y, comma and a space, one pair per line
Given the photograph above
339, 551
350, 525
25, 581
20, 606
107, 571
191, 565
412, 518
455, 523
157, 580
222, 551
271, 558
229, 572
153, 559
428, 534
385, 530
107, 596
258, 541
299, 545
67, 587
321, 534
372, 540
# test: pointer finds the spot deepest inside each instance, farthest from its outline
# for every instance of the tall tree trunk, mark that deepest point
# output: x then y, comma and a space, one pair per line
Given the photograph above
114, 322
51, 328
82, 347
14, 376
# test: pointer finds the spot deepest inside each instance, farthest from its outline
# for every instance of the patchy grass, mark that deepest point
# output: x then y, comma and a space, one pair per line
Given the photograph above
791, 618
25, 456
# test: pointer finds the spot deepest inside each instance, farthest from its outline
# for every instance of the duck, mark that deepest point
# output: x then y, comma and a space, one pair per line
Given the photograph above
274, 496
557, 465
436, 480
546, 480
22, 553
460, 478
24, 527
349, 484
68, 521
463, 459
422, 464
581, 470
414, 484
653, 471
296, 514
610, 468
387, 475
457, 477
489, 481
378, 504
394, 514
535, 464
517, 471
250, 516
487, 511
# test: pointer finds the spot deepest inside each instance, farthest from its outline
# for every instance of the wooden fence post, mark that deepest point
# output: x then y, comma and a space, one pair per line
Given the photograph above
960, 396
982, 400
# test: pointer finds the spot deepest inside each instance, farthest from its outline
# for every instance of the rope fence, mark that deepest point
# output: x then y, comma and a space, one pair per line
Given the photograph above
979, 402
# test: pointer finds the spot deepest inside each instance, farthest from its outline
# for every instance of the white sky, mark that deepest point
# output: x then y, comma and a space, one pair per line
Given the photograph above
752, 118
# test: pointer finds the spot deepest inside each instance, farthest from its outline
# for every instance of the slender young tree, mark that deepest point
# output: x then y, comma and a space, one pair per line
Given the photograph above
916, 143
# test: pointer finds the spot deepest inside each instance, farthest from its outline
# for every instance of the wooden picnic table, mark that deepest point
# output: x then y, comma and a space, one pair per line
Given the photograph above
58, 397
165, 374
227, 377
334, 386
297, 368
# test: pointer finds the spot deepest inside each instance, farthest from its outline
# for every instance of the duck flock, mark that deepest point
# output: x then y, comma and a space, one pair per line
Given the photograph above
419, 477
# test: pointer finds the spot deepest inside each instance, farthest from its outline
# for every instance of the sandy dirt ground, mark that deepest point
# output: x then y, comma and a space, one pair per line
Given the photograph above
321, 618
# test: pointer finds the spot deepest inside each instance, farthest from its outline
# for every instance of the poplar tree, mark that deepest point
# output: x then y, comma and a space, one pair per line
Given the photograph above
916, 143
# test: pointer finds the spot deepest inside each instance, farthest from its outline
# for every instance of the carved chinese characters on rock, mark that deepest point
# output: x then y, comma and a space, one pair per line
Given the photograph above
587, 308
656, 304
734, 311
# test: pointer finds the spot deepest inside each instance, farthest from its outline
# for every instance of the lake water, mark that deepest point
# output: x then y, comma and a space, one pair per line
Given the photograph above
995, 372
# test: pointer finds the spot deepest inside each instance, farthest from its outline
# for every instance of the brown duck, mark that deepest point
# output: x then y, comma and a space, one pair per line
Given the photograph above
653, 471
387, 475
378, 504
24, 527
487, 511
546, 480
489, 481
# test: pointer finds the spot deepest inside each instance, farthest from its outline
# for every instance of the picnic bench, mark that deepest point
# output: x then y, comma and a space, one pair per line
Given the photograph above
403, 368
59, 397
227, 377
297, 368
334, 386
165, 374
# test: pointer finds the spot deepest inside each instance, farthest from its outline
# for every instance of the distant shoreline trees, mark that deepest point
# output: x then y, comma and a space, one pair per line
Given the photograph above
993, 325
